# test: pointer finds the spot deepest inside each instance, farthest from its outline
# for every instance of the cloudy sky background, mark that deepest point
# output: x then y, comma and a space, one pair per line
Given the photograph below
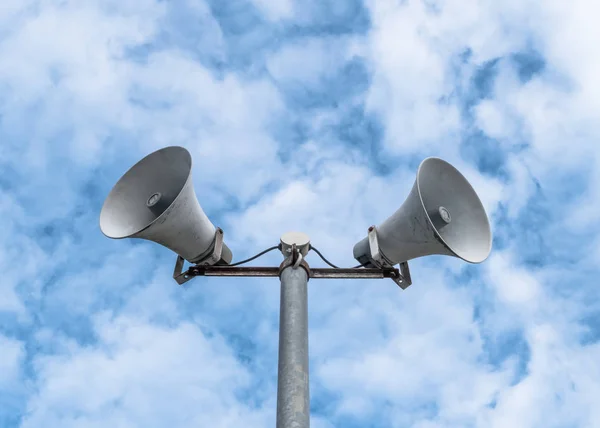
309, 116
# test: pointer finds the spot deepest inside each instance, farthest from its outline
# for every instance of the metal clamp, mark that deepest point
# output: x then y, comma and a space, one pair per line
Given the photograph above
295, 260
209, 260
405, 274
178, 275
217, 250
379, 260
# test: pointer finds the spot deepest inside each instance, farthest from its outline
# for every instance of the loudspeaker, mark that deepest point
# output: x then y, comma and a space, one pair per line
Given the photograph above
441, 215
155, 200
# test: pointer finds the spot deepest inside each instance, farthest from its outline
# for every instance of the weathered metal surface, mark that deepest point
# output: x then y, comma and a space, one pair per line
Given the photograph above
210, 258
317, 273
293, 396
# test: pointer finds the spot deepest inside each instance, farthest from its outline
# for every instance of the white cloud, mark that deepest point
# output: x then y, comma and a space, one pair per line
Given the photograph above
275, 9
308, 62
11, 360
141, 373
511, 282
428, 353
409, 81
558, 390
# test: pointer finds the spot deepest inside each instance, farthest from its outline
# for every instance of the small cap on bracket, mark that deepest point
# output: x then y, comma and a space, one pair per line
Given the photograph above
301, 240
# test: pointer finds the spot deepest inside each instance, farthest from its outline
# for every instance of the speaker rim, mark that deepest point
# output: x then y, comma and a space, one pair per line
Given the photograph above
188, 156
437, 234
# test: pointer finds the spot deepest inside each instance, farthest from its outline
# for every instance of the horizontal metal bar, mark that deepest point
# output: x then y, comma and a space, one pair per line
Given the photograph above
357, 273
350, 273
233, 271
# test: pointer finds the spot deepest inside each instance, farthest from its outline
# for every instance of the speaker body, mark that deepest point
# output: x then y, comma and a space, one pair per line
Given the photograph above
155, 200
441, 215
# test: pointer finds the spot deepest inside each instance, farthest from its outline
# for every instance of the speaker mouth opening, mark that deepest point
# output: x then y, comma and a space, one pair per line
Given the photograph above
137, 200
441, 217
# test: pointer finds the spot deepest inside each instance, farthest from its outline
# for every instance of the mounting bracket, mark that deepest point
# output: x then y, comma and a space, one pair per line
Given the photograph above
206, 266
379, 260
212, 258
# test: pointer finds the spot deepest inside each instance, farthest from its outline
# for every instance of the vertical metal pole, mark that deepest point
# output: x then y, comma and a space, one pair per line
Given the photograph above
293, 401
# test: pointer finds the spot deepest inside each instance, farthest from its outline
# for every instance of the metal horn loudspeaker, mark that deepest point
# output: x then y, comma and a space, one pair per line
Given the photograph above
441, 215
155, 200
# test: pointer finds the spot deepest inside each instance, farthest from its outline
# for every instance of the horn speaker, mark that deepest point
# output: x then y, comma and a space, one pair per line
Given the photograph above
441, 215
155, 200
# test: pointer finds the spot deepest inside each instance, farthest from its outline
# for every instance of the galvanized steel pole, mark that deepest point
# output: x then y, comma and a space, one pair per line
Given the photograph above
293, 398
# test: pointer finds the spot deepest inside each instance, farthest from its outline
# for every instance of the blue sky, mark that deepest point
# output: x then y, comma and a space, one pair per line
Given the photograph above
309, 116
